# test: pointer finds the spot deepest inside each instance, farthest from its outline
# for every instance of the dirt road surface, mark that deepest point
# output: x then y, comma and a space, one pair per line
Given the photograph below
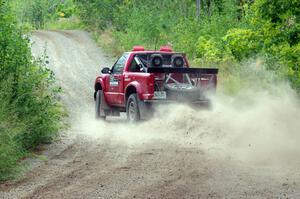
182, 153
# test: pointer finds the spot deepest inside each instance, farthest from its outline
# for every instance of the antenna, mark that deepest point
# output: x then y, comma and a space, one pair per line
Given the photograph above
155, 43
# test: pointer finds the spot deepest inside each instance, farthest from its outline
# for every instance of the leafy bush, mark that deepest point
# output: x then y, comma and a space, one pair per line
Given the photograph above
97, 13
243, 43
273, 33
186, 34
30, 112
10, 151
225, 33
39, 13
212, 52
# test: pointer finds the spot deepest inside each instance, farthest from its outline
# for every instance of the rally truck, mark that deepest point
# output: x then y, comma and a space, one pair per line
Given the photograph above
142, 78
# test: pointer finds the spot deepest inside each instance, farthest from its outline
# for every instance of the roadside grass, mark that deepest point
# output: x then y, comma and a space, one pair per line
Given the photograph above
31, 113
18, 141
71, 23
10, 150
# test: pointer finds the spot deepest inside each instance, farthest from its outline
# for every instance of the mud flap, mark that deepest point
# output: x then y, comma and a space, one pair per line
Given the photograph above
103, 105
146, 110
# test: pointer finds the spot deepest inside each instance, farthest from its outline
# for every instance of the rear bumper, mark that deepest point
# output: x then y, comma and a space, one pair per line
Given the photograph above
197, 102
147, 106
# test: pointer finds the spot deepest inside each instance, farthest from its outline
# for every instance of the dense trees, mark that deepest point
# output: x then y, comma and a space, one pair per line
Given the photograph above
272, 32
211, 32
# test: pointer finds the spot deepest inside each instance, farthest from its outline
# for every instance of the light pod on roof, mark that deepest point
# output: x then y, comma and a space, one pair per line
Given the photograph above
138, 48
165, 49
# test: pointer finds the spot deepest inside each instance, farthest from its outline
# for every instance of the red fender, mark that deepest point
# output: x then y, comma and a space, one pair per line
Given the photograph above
138, 88
99, 80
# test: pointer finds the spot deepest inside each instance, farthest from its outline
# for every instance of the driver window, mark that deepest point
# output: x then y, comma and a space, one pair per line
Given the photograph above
119, 65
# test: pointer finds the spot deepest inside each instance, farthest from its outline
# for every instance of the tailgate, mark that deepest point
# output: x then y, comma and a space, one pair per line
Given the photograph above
197, 79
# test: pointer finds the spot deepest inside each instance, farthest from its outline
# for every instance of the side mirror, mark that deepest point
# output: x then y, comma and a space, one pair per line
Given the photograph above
105, 70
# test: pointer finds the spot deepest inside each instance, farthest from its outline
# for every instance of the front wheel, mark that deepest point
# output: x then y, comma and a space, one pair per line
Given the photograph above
98, 105
132, 108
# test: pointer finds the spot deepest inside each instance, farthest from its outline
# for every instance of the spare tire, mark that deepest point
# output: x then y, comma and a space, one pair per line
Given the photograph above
156, 60
182, 92
177, 61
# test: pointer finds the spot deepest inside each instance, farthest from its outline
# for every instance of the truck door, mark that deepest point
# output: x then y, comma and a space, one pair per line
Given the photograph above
115, 94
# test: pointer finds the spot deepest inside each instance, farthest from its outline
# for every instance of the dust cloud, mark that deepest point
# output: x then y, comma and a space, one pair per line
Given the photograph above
259, 125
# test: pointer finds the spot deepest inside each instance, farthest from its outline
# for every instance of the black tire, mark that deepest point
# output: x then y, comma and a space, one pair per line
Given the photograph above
175, 91
177, 61
98, 106
132, 109
156, 60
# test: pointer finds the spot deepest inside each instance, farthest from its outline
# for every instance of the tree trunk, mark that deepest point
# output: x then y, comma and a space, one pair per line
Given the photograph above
209, 7
198, 9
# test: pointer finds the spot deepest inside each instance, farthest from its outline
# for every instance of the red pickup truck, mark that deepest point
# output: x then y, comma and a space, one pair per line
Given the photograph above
142, 78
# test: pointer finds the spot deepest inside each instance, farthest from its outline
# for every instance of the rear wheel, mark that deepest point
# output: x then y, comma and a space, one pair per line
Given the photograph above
132, 108
98, 105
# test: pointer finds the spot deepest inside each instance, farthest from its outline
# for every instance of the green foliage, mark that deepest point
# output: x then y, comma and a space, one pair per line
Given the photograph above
186, 36
169, 22
243, 43
39, 13
30, 112
212, 52
273, 33
71, 23
225, 33
145, 22
97, 14
10, 150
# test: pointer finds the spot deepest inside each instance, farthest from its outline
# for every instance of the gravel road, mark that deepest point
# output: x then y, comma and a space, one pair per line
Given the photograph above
228, 152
